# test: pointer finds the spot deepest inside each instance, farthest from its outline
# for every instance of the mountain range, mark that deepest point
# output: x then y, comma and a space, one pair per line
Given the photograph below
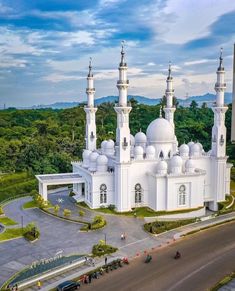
208, 98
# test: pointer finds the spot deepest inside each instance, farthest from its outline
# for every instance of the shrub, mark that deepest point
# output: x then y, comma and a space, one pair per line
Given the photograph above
71, 193
1, 210
98, 222
111, 207
31, 232
157, 227
67, 212
56, 209
103, 249
81, 213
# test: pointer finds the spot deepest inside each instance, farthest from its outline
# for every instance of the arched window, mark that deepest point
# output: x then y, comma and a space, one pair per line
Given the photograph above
103, 193
169, 154
138, 193
161, 155
182, 195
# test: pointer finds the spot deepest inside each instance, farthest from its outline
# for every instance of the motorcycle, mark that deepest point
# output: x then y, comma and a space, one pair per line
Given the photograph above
177, 255
148, 259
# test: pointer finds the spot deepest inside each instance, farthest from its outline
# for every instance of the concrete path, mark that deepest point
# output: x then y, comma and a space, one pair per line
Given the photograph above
228, 287
57, 234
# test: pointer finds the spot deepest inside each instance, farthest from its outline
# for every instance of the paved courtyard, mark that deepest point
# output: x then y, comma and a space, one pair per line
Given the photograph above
57, 234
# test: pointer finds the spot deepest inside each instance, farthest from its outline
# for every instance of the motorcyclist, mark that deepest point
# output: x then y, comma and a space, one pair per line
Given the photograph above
177, 255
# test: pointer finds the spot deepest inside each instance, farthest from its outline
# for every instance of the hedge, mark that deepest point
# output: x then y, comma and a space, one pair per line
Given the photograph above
157, 227
103, 249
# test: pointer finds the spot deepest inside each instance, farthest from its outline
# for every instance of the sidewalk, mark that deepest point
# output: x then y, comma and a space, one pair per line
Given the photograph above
137, 248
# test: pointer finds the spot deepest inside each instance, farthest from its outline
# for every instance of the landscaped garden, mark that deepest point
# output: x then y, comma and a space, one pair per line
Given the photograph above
102, 248
137, 212
158, 227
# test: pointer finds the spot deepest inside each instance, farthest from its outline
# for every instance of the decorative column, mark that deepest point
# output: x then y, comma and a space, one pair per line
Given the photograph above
123, 110
90, 112
169, 109
218, 155
123, 147
219, 129
233, 102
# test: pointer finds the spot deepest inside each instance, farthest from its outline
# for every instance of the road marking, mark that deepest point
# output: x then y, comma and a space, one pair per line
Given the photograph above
229, 248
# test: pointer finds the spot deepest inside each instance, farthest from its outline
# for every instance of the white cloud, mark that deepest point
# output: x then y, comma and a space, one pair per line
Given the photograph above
8, 62
197, 62
108, 3
179, 21
57, 78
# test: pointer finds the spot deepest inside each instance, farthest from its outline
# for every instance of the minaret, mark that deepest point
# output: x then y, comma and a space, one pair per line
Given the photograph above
123, 147
169, 109
123, 110
233, 102
219, 129
90, 112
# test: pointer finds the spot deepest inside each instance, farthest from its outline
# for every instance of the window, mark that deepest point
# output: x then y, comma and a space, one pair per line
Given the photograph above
138, 193
161, 155
103, 193
182, 195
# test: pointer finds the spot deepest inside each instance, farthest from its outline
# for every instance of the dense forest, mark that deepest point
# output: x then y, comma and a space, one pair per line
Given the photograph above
46, 140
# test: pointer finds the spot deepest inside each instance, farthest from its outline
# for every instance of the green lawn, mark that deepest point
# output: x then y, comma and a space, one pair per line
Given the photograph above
144, 212
11, 233
30, 204
7, 221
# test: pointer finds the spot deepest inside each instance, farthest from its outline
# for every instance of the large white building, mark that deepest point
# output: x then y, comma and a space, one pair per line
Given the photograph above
152, 169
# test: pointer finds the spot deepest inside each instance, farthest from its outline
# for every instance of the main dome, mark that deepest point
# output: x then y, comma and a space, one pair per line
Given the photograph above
160, 130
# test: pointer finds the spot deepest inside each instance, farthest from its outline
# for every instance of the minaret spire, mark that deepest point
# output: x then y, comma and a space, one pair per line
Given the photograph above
90, 111
233, 101
169, 93
123, 146
219, 129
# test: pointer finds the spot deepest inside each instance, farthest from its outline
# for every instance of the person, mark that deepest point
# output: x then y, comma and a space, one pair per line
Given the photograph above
122, 236
39, 284
89, 278
177, 255
105, 260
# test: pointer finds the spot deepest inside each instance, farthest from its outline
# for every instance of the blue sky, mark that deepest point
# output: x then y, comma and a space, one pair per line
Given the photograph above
45, 47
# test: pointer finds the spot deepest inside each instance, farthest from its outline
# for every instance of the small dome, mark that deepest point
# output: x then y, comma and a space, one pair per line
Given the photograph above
195, 149
176, 161
184, 148
160, 130
138, 150
132, 140
189, 164
109, 144
103, 144
150, 150
93, 156
86, 154
190, 143
200, 145
102, 160
162, 166
140, 137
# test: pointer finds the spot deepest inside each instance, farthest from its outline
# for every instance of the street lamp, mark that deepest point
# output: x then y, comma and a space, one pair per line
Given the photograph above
22, 222
105, 238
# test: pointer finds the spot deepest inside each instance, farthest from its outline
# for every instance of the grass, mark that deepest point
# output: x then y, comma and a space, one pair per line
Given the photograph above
140, 211
11, 233
223, 282
7, 221
30, 204
157, 227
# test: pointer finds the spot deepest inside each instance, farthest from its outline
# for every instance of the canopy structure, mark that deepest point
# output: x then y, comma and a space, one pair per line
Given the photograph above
57, 179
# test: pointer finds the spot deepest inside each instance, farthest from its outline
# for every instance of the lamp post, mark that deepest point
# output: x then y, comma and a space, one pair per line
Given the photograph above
22, 222
105, 238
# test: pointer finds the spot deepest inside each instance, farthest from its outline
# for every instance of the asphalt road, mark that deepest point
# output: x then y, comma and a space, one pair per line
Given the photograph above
207, 256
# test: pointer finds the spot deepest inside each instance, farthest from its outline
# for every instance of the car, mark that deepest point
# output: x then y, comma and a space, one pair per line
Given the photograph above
68, 285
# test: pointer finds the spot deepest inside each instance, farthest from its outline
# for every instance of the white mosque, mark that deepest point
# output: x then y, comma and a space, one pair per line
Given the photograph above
152, 169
